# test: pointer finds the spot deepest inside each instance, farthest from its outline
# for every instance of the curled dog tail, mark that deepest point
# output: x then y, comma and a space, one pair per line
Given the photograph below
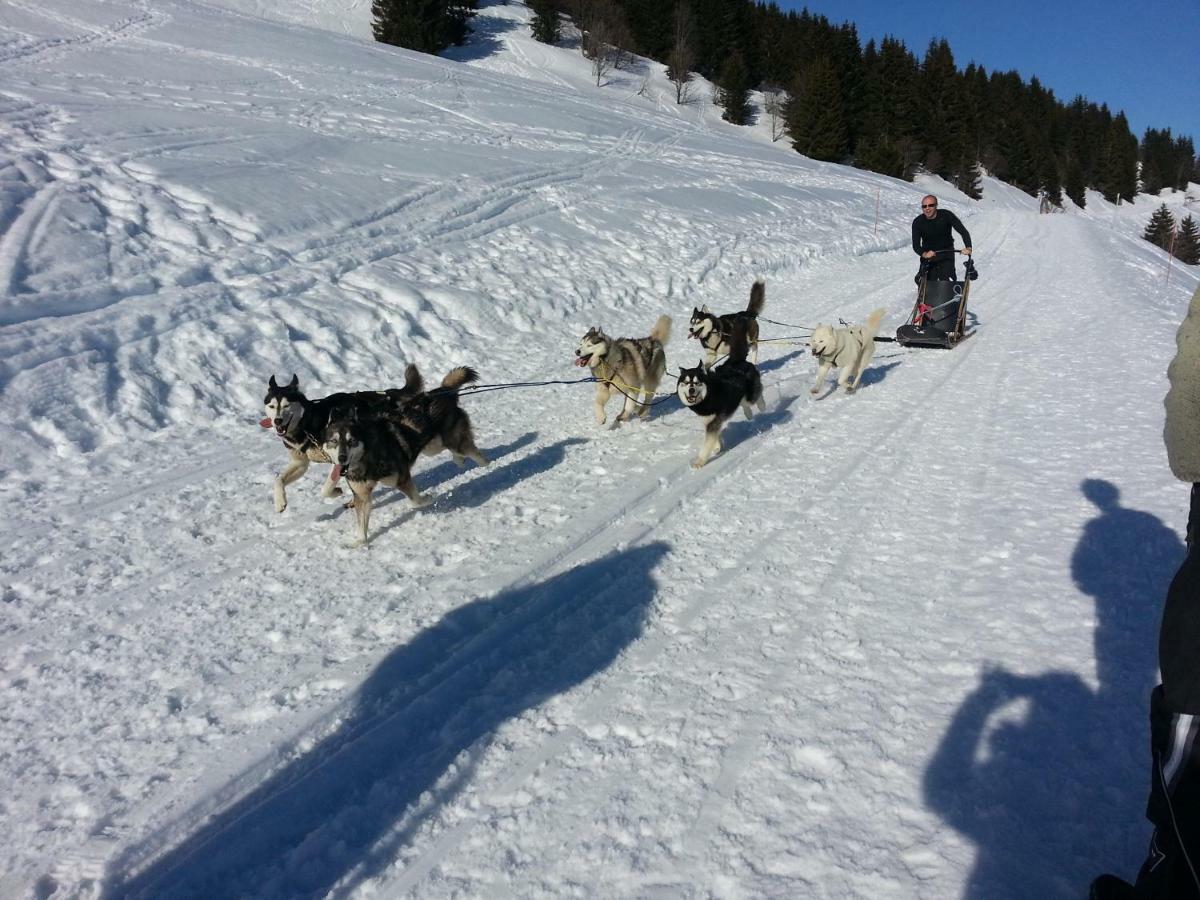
446, 398
456, 378
413, 382
758, 297
661, 330
871, 327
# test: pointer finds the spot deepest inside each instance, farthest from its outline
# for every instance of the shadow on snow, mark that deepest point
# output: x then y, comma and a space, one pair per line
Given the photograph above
344, 810
1055, 796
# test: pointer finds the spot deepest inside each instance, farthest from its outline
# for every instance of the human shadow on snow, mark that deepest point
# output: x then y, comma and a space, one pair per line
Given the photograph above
1056, 796
344, 810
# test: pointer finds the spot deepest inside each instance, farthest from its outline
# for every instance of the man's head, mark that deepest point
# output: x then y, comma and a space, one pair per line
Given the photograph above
929, 206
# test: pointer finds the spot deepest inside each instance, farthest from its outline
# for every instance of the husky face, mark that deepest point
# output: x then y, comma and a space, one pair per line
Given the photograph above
343, 446
702, 323
592, 349
282, 405
823, 340
692, 386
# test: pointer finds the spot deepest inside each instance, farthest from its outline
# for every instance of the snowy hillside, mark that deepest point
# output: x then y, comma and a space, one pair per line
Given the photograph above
895, 644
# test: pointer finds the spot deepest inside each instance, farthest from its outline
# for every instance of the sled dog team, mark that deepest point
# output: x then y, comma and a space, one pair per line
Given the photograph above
375, 437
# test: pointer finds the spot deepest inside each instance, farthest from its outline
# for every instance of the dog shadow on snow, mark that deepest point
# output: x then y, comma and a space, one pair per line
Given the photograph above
445, 471
873, 375
345, 809
492, 481
1046, 775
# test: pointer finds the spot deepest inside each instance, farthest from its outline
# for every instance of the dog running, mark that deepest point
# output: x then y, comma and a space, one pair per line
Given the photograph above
849, 349
714, 331
632, 365
301, 422
369, 449
716, 394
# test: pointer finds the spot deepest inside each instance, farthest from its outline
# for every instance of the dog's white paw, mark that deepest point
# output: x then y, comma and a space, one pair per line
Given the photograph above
814, 391
421, 501
698, 463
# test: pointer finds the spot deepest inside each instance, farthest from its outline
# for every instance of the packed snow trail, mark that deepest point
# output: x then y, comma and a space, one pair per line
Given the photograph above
895, 644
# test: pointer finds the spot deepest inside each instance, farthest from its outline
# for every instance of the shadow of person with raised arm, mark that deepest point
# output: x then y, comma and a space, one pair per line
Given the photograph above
1044, 773
343, 810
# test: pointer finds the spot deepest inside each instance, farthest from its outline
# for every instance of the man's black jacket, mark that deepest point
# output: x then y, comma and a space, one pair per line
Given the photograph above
934, 234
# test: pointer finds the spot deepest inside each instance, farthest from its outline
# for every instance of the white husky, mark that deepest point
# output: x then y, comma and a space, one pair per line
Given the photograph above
849, 349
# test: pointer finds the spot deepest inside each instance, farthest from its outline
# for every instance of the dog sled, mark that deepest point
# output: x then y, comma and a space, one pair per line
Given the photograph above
939, 315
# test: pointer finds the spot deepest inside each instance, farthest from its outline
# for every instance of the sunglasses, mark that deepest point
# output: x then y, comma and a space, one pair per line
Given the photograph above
928, 206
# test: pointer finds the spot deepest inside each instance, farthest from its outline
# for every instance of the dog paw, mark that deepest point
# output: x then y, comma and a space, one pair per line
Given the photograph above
421, 501
280, 507
698, 463
814, 391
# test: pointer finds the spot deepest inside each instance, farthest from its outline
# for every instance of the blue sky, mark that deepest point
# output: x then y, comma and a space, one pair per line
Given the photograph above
1143, 58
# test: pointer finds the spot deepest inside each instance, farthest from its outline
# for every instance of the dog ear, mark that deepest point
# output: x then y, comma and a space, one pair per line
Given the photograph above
295, 382
704, 308
271, 384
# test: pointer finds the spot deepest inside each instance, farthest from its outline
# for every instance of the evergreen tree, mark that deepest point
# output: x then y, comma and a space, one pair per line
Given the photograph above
944, 114
428, 26
1187, 242
544, 23
814, 114
1074, 184
1051, 183
733, 90
649, 26
1161, 228
1118, 167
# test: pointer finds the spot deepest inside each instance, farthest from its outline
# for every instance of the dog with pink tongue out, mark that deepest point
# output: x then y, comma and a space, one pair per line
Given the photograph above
368, 449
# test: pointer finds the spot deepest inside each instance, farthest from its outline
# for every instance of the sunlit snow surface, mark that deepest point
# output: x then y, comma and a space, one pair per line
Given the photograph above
890, 645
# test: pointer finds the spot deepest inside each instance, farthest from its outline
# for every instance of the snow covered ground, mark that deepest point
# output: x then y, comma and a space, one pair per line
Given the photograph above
889, 645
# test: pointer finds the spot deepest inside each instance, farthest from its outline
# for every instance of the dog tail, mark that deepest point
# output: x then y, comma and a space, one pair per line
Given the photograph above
446, 398
413, 382
459, 377
758, 297
871, 328
661, 330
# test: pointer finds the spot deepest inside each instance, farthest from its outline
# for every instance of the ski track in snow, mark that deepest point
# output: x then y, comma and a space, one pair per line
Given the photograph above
585, 665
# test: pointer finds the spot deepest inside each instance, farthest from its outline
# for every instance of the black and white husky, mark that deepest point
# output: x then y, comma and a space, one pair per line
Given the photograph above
632, 365
301, 423
714, 331
380, 448
716, 394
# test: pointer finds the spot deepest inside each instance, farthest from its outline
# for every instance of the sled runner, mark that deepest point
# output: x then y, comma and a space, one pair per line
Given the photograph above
938, 316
